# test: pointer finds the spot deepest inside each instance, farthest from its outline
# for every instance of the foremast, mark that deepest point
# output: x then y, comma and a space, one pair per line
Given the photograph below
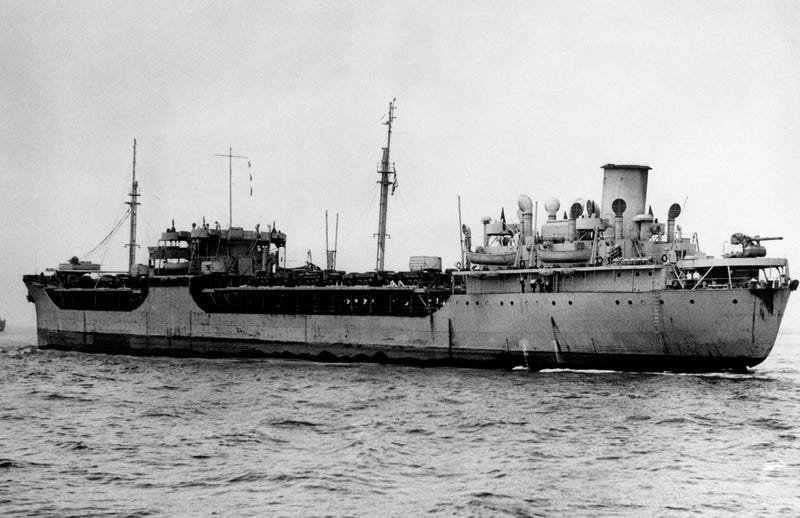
134, 194
388, 177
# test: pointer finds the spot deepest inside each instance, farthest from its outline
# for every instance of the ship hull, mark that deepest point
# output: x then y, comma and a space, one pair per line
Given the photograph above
674, 330
180, 347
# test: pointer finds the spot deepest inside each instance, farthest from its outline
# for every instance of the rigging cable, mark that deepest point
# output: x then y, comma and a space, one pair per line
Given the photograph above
364, 214
114, 230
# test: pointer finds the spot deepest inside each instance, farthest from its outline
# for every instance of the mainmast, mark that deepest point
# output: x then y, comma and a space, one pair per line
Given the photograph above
388, 177
134, 194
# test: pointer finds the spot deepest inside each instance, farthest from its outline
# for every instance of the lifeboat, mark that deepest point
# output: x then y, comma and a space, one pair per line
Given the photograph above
575, 252
493, 255
179, 268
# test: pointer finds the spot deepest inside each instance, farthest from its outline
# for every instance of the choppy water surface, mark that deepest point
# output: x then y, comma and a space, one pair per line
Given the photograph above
115, 435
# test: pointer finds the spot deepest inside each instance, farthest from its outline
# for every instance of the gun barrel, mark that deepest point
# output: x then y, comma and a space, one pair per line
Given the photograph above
759, 238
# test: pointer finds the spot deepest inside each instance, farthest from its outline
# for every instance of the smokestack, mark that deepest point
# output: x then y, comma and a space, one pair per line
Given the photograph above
627, 182
486, 220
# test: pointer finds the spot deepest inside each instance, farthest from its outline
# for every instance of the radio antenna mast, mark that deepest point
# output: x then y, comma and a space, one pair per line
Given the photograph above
134, 194
388, 177
230, 157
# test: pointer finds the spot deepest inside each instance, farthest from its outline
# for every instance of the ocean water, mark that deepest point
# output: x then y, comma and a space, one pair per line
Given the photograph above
93, 435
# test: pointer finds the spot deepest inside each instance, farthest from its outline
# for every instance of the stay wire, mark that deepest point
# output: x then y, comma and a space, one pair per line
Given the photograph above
113, 231
364, 214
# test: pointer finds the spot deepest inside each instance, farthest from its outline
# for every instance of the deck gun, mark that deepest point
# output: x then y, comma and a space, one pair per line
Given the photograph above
751, 246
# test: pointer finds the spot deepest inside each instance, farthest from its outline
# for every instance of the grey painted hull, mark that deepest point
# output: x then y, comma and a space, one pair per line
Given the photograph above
701, 330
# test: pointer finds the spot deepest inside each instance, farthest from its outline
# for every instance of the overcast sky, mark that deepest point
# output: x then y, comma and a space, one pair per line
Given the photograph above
494, 99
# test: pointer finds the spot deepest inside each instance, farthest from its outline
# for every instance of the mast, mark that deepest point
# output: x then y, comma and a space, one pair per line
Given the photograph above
330, 255
386, 171
327, 247
134, 194
335, 242
461, 232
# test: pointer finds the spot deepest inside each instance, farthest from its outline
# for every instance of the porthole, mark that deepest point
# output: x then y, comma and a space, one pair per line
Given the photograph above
735, 301
661, 301
511, 302
501, 302
619, 274
554, 303
630, 302
691, 301
570, 302
467, 303
637, 274
649, 274
616, 302
477, 302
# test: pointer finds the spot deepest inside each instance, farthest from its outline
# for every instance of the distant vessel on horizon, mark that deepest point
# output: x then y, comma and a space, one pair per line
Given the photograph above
2, 324
608, 286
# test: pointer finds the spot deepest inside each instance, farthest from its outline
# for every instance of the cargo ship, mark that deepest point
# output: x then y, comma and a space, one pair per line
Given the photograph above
606, 286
